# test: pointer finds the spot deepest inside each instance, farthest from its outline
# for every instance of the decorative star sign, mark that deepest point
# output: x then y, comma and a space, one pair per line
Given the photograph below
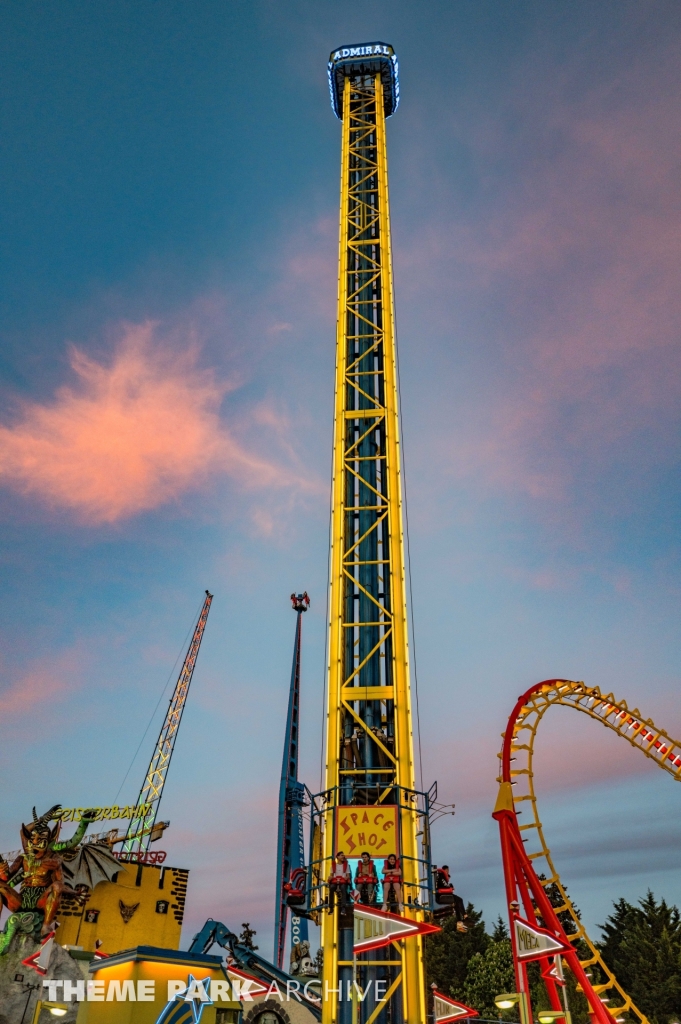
197, 995
188, 1004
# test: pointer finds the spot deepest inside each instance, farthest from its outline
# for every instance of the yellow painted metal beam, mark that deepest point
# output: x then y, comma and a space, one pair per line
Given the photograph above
368, 638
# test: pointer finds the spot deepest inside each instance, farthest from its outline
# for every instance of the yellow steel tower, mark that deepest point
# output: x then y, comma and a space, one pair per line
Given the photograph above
370, 802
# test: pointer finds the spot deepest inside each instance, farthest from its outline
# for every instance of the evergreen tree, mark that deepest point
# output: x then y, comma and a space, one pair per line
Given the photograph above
642, 946
246, 937
449, 951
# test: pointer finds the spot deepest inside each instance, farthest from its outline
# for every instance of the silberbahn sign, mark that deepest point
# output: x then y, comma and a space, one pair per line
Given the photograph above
104, 813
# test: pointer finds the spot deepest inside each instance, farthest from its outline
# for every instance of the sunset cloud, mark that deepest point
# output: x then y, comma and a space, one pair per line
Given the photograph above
130, 434
45, 682
578, 259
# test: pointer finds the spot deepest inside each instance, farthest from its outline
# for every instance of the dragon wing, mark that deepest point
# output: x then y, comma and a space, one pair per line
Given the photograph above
93, 863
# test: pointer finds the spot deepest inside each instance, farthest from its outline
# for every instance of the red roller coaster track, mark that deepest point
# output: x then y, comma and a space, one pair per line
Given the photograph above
524, 845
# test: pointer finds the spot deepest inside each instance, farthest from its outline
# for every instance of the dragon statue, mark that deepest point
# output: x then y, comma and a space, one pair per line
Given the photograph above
45, 869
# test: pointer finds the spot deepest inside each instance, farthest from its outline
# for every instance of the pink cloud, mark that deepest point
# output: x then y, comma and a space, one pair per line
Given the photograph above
129, 435
43, 684
572, 753
578, 249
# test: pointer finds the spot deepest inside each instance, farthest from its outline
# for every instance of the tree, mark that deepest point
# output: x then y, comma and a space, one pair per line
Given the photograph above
642, 946
246, 937
490, 973
449, 951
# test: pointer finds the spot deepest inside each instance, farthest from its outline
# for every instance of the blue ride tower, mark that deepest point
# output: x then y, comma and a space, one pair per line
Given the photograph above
290, 839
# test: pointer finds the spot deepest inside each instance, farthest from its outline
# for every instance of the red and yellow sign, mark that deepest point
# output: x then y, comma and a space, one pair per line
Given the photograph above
373, 829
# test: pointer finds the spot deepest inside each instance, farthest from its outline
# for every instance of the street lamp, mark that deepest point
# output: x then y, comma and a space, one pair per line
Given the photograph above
506, 1000
56, 1009
549, 1016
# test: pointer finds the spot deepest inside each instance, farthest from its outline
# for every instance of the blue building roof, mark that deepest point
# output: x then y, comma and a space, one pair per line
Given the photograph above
138, 953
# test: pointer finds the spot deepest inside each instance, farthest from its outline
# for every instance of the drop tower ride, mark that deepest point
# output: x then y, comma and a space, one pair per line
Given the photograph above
292, 800
370, 801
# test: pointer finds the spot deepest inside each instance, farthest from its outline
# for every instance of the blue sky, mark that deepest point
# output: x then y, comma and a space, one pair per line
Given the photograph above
169, 245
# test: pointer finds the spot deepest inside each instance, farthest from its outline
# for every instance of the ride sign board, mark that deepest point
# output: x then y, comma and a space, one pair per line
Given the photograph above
553, 971
376, 928
448, 1009
534, 943
244, 985
104, 813
39, 961
373, 829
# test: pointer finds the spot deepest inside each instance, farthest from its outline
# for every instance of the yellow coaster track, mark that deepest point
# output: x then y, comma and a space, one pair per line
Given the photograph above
518, 753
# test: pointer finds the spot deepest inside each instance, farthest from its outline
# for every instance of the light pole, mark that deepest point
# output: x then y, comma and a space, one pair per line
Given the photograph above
56, 1009
508, 999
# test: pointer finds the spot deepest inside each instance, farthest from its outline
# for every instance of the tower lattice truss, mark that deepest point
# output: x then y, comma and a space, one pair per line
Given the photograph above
369, 747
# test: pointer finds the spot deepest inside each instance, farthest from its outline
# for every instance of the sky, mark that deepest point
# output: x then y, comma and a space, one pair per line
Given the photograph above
169, 204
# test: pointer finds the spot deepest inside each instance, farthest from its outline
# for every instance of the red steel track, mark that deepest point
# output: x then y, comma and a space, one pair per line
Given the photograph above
523, 845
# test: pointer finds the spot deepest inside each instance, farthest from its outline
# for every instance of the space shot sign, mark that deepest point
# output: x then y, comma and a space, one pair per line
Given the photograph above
534, 943
373, 829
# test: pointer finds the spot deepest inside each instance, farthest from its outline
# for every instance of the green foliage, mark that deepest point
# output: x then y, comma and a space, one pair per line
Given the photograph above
488, 974
448, 952
555, 897
247, 935
642, 946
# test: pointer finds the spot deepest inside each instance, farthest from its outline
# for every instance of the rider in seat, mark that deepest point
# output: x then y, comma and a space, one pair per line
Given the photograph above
340, 881
392, 884
444, 893
366, 880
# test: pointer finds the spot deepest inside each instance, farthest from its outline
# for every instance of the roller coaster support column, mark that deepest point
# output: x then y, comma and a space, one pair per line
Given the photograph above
369, 746
290, 844
523, 885
512, 884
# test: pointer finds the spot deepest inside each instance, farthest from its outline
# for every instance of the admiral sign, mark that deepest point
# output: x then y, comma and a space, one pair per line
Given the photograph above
369, 50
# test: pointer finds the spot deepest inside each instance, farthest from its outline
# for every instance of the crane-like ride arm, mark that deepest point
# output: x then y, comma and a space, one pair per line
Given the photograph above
217, 933
140, 830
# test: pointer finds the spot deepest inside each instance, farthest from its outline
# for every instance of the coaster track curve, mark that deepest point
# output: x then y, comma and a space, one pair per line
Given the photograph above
517, 797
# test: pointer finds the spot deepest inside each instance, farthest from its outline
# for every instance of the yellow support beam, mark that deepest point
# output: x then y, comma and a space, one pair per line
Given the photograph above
369, 743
